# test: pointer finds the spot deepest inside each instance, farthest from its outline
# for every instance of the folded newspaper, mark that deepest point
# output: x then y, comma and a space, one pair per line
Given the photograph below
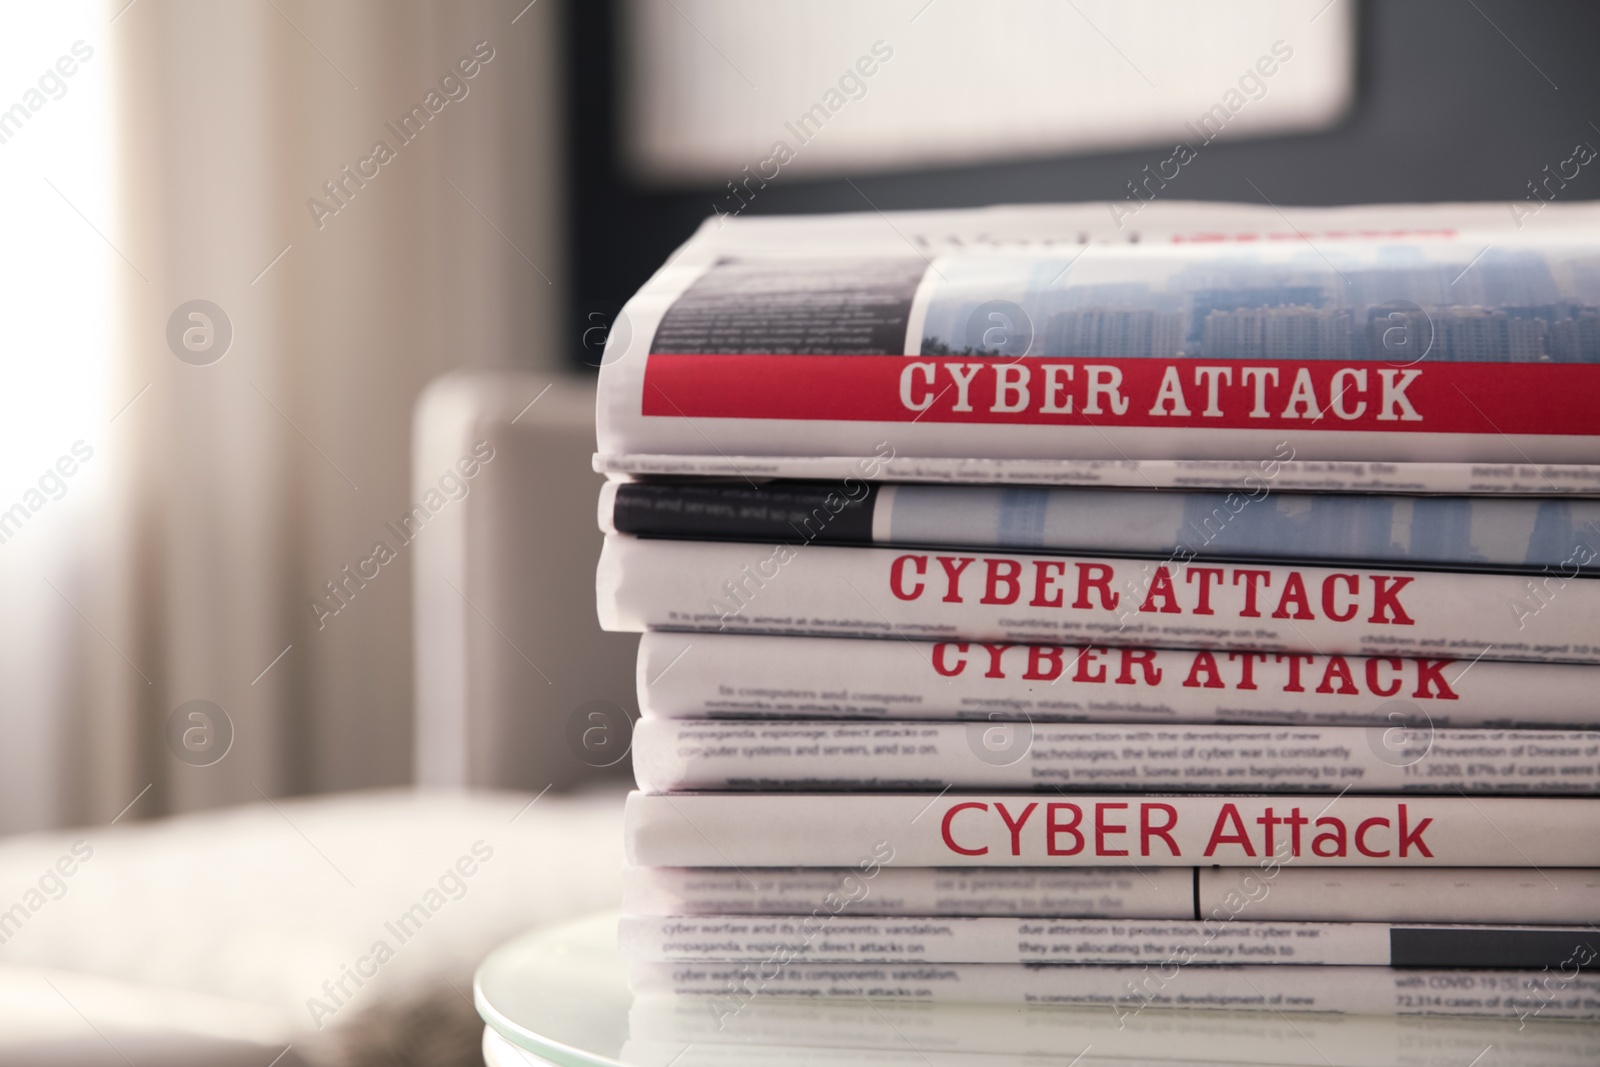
1002, 595
1219, 942
1553, 895
1407, 348
755, 676
1537, 535
1102, 829
1128, 990
676, 756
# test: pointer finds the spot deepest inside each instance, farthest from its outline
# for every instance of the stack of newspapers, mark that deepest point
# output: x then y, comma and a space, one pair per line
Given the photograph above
1037, 611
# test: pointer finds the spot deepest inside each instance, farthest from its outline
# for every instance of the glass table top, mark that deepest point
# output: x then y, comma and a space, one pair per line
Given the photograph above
562, 996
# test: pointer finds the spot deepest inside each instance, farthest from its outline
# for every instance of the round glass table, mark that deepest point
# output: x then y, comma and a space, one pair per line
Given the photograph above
561, 997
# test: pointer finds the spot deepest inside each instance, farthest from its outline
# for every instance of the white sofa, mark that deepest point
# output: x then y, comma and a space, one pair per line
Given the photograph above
344, 930
341, 926
507, 644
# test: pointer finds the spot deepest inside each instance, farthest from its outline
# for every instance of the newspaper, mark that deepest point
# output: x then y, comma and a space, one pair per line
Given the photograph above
696, 755
1294, 894
911, 343
1303, 476
744, 676
1006, 596
1218, 942
1088, 830
1126, 991
1562, 534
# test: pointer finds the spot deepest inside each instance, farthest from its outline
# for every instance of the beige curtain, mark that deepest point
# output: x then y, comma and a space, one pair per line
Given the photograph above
252, 177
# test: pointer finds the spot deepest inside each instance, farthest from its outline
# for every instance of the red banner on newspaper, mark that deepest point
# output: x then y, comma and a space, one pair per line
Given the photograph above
1426, 397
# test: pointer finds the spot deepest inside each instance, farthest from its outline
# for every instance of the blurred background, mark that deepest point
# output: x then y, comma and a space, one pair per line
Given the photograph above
246, 235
